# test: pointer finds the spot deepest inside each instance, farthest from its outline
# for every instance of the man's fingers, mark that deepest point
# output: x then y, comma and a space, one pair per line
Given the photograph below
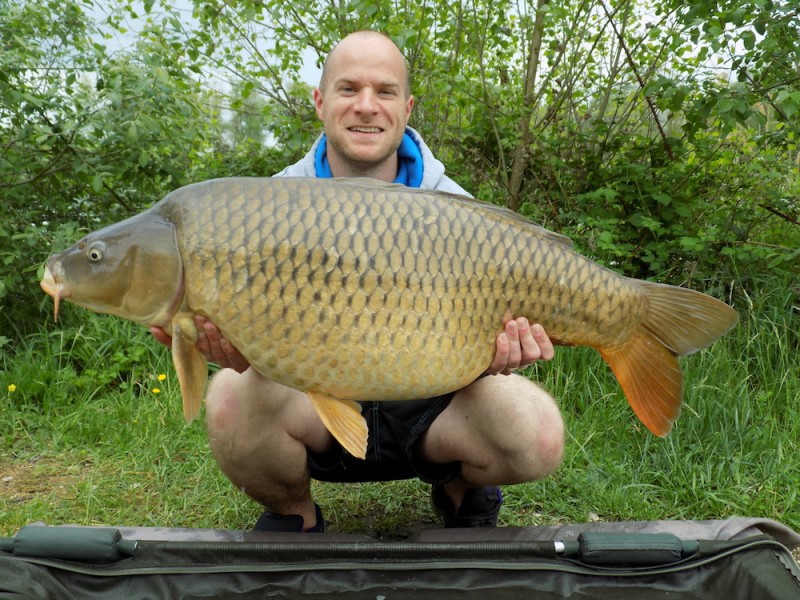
514, 348
210, 343
500, 356
161, 336
214, 341
546, 349
217, 348
519, 345
530, 349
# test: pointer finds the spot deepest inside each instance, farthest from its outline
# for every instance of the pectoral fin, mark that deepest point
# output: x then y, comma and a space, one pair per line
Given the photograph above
343, 419
190, 364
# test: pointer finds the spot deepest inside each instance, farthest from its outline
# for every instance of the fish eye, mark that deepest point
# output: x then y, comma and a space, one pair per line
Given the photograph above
95, 252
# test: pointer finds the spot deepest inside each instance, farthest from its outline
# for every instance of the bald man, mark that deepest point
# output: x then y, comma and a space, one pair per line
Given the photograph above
500, 429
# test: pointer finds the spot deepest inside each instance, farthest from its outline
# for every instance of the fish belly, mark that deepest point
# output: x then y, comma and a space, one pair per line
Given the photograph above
371, 292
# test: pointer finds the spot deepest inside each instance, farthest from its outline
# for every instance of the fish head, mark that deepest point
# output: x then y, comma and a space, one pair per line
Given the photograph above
131, 269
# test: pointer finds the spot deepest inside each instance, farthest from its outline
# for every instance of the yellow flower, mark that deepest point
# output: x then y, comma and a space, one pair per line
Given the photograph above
162, 377
156, 391
12, 388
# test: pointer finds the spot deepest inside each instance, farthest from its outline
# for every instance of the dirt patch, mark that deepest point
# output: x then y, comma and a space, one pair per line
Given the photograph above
23, 480
36, 486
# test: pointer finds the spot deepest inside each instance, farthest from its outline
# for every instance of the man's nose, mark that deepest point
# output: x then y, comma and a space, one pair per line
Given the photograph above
367, 101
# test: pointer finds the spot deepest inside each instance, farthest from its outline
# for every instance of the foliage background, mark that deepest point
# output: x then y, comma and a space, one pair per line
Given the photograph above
661, 135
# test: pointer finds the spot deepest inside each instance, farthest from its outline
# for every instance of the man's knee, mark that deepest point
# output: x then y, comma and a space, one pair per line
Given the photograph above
222, 405
519, 425
536, 446
549, 440
248, 411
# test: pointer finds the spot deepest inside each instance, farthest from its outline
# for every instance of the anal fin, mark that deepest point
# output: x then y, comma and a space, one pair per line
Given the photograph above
343, 419
190, 364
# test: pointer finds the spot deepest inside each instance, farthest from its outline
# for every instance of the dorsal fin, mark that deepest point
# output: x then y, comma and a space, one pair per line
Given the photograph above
501, 211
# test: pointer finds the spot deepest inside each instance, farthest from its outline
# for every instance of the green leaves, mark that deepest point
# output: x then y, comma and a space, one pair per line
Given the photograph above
657, 141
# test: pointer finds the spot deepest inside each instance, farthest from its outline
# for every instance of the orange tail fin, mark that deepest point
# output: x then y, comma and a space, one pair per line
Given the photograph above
679, 321
651, 378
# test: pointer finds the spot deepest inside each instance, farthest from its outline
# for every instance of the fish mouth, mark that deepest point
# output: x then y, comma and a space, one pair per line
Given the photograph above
54, 289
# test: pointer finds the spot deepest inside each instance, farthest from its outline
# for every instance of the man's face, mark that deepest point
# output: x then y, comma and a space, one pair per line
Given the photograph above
364, 104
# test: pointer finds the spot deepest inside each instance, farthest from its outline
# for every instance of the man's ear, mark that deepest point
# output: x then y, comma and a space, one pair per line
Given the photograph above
409, 106
318, 102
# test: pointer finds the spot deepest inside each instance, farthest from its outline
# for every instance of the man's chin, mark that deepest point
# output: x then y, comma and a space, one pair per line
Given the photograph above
368, 157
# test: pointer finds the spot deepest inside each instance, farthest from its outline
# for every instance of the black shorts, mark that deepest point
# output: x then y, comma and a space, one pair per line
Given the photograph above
394, 428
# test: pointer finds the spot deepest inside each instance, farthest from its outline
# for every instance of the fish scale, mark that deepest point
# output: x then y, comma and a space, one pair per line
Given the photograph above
332, 228
359, 290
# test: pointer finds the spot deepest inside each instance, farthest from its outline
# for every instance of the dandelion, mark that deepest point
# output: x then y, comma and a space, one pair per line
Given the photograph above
12, 388
160, 377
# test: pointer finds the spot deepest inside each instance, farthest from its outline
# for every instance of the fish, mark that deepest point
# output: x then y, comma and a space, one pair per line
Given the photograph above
355, 289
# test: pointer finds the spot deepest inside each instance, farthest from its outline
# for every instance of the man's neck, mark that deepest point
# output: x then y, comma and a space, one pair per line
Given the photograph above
385, 171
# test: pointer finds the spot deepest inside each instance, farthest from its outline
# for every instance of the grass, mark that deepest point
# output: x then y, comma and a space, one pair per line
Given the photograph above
86, 440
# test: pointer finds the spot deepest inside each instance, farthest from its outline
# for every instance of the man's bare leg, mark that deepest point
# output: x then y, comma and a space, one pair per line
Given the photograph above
504, 429
260, 433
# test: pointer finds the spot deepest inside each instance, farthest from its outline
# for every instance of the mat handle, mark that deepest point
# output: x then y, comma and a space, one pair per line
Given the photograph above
627, 549
88, 544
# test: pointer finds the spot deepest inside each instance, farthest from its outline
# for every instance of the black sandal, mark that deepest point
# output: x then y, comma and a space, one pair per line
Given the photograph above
479, 508
270, 521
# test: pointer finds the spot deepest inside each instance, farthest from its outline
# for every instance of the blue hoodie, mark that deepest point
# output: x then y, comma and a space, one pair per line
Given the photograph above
418, 166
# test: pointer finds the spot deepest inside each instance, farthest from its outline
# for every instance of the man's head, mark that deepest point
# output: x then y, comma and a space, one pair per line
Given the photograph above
364, 102
362, 39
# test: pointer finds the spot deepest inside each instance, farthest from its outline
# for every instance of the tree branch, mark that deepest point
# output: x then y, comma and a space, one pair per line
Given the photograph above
778, 213
521, 152
640, 80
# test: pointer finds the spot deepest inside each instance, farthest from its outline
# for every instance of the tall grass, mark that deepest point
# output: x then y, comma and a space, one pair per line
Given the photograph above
85, 439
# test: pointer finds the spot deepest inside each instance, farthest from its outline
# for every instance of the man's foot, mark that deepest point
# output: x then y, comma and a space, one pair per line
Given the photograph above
270, 521
479, 507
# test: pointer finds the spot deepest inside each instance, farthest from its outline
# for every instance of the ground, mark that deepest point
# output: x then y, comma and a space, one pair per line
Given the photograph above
36, 480
44, 485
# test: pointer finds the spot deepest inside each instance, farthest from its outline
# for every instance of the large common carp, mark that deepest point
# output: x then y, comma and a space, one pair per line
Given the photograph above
352, 289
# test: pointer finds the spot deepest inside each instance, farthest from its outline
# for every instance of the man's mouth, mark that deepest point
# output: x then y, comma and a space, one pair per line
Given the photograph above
365, 129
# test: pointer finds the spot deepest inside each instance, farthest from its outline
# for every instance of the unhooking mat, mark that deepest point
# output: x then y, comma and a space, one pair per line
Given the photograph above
744, 559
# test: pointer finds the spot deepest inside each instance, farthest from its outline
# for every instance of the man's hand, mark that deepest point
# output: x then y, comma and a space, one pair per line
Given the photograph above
519, 345
210, 342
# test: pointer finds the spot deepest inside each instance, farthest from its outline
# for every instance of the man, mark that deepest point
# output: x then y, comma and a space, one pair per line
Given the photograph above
268, 439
